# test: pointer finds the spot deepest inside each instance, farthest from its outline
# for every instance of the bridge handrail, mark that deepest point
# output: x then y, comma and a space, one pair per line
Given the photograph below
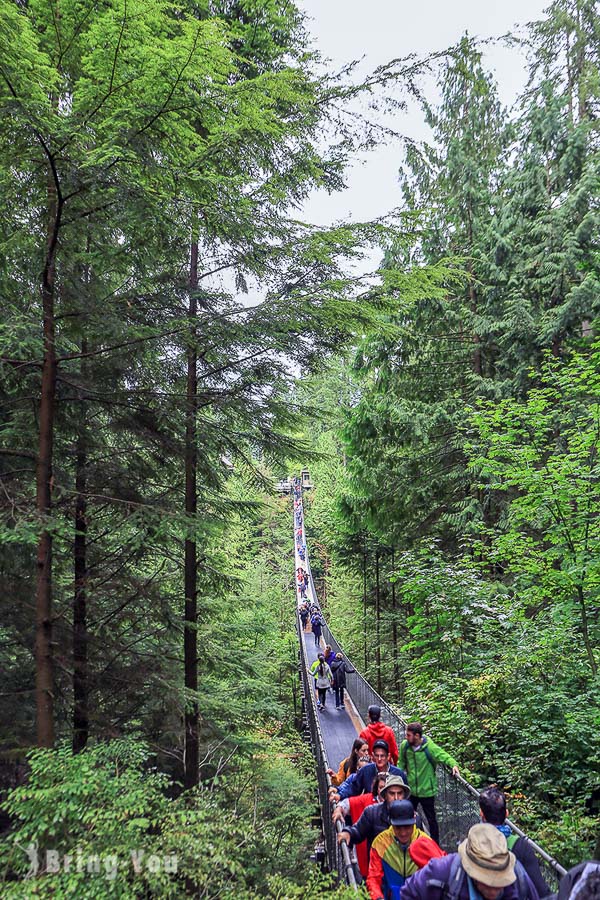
535, 847
363, 695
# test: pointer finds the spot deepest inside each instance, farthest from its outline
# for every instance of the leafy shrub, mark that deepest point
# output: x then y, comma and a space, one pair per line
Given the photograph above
100, 825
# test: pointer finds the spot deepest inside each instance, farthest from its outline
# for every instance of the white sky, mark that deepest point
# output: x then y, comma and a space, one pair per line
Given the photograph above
381, 30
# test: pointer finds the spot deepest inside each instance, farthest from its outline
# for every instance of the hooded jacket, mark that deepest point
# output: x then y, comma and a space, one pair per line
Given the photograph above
339, 668
430, 883
377, 731
420, 770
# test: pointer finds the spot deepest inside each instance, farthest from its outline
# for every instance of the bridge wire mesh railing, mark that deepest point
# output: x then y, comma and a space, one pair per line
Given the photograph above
457, 806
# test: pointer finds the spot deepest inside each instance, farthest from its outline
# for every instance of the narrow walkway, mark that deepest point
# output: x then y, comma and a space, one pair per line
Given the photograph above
337, 727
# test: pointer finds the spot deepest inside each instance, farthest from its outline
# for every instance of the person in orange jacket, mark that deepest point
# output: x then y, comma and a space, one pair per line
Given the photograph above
349, 765
376, 731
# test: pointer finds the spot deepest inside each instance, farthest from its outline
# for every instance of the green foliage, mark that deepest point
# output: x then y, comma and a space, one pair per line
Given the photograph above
458, 516
246, 831
126, 838
453, 521
571, 836
128, 131
544, 453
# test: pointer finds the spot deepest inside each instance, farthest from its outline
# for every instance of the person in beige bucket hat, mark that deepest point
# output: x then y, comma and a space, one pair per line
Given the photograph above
486, 858
483, 869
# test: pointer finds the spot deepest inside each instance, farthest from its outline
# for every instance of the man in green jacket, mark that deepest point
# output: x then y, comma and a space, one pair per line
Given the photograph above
419, 756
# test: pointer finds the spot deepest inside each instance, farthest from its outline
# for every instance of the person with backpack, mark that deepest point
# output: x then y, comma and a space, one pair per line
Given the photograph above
340, 667
419, 757
492, 803
582, 882
303, 610
323, 679
317, 627
483, 869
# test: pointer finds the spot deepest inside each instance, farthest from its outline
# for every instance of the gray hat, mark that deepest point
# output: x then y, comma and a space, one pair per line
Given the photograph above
396, 781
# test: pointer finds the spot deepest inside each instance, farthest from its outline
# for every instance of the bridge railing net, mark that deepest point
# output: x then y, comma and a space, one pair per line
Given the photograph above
457, 806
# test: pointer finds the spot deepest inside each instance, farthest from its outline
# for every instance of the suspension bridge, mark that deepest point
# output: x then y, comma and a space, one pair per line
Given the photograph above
332, 731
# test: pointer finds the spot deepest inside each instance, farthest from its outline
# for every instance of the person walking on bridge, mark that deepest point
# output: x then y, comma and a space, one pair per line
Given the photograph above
317, 627
376, 818
492, 803
344, 790
323, 679
340, 667
349, 765
420, 756
483, 869
352, 808
376, 731
381, 763
398, 852
303, 610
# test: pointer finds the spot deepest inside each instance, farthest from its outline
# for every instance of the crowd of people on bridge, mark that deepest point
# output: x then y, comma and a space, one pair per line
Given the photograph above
382, 791
392, 845
397, 858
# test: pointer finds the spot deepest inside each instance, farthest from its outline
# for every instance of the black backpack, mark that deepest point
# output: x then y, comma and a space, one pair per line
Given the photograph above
424, 747
452, 888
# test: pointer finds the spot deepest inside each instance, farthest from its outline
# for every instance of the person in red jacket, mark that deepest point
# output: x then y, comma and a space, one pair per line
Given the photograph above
376, 731
354, 808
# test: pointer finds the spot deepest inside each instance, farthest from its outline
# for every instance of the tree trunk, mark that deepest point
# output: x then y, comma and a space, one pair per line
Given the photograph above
190, 651
44, 676
377, 622
473, 299
395, 633
80, 635
365, 604
585, 631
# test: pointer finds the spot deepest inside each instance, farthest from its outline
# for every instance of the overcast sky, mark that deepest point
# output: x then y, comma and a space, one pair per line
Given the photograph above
381, 30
